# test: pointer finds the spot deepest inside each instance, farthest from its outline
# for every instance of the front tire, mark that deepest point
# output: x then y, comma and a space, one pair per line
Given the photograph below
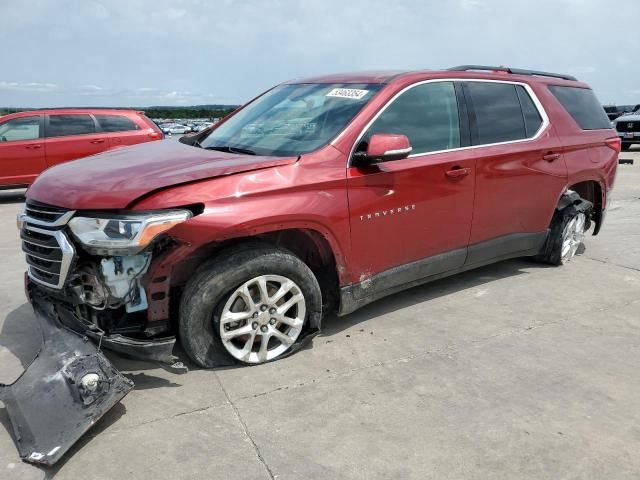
250, 307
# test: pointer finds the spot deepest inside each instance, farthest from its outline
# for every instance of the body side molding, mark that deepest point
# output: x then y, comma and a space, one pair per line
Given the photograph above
355, 296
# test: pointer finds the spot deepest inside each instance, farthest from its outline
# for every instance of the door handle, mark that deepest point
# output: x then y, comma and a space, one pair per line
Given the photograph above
551, 157
98, 140
457, 172
33, 147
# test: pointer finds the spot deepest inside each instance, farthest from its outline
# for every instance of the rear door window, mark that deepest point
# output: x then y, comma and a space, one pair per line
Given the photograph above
497, 111
20, 129
583, 106
427, 114
116, 123
73, 124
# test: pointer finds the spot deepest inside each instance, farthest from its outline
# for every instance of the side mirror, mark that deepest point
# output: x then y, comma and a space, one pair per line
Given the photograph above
385, 147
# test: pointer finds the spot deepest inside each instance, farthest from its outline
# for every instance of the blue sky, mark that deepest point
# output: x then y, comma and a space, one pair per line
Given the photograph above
184, 52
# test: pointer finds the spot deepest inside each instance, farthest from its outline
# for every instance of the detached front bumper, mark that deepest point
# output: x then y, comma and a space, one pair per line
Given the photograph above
157, 351
69, 386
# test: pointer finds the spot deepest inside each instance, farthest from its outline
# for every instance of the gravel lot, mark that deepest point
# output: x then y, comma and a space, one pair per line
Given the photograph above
512, 371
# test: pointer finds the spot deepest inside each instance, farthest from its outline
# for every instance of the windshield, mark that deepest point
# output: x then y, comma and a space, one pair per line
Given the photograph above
291, 119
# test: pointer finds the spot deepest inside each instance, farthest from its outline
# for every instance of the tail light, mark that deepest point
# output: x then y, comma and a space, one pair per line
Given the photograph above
614, 143
154, 135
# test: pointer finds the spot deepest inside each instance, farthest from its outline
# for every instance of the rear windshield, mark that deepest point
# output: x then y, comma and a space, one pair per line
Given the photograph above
583, 106
116, 123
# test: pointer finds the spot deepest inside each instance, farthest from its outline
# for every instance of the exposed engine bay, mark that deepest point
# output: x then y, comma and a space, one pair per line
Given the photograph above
93, 268
113, 283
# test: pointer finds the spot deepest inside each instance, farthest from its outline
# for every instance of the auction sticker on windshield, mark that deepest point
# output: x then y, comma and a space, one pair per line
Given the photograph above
354, 93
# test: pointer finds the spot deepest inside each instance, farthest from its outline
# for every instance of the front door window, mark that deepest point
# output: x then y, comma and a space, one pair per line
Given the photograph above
20, 129
427, 114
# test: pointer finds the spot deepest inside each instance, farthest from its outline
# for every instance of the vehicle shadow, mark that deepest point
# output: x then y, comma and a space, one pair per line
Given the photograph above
22, 337
12, 196
333, 324
138, 371
18, 334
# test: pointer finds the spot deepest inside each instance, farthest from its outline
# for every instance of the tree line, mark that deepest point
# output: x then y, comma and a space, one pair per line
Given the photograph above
154, 112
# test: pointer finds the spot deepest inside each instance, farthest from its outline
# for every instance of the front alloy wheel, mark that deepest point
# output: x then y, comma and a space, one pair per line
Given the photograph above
251, 304
262, 318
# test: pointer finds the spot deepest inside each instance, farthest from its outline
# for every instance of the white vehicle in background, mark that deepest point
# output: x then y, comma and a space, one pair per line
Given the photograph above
175, 128
203, 126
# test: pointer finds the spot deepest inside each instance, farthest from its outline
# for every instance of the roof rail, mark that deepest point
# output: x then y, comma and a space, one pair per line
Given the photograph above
515, 71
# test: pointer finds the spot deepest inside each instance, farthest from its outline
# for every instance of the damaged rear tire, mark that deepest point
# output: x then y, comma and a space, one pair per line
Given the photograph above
251, 306
566, 233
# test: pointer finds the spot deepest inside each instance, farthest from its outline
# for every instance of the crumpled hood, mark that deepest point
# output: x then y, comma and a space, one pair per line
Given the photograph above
114, 179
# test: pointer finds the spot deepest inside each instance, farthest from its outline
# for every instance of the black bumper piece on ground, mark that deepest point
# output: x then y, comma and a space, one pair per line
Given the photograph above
157, 351
69, 386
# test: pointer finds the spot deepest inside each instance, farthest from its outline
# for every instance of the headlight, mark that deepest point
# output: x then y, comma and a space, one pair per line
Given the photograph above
124, 232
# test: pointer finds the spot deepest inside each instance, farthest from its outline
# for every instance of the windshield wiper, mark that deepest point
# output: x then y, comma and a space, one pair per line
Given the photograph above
230, 149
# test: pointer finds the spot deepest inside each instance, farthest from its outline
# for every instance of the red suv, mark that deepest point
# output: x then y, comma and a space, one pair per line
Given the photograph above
320, 195
34, 140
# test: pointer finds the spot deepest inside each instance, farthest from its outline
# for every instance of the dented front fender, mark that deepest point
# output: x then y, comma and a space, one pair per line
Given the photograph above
68, 387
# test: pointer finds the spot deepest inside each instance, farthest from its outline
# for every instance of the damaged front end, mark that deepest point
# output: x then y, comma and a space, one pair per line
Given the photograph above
95, 267
90, 279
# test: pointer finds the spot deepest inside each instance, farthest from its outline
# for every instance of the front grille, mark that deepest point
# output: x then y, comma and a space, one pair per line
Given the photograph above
46, 215
623, 126
48, 251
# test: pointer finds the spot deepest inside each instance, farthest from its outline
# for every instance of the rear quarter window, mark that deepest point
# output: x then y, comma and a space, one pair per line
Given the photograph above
583, 106
116, 123
532, 118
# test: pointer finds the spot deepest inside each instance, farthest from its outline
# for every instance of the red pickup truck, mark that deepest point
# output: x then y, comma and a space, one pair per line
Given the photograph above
34, 140
319, 195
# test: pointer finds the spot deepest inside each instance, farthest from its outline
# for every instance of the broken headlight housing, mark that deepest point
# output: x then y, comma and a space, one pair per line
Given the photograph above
128, 234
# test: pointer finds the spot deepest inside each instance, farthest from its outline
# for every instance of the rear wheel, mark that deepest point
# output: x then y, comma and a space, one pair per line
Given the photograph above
566, 234
251, 306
